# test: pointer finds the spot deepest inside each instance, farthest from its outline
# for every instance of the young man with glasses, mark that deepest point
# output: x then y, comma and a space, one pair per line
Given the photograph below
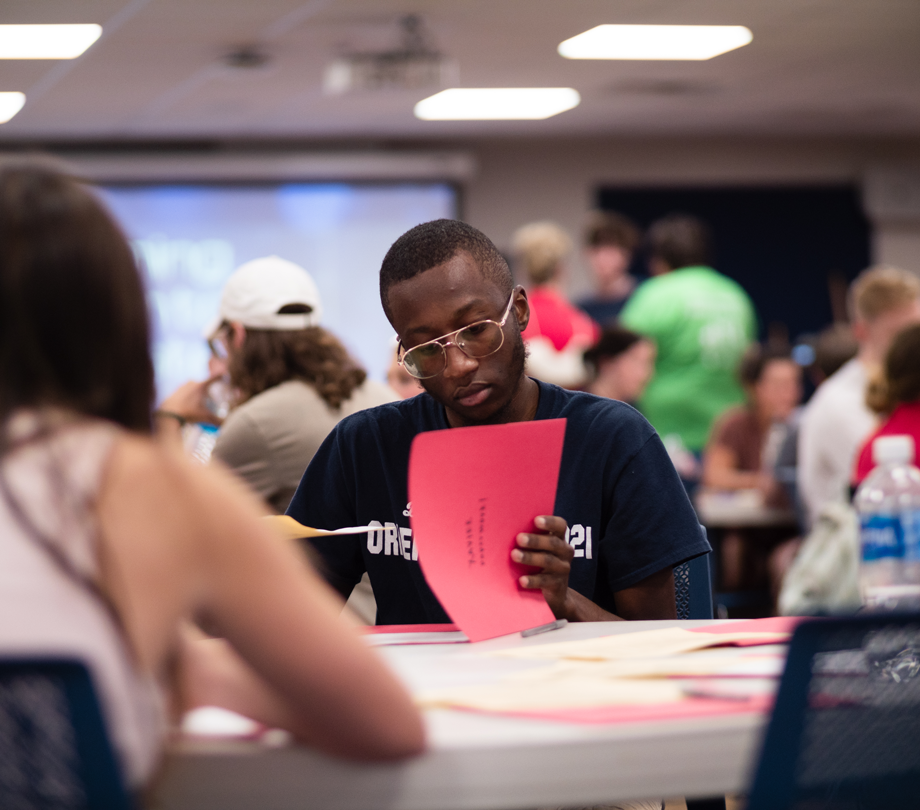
622, 517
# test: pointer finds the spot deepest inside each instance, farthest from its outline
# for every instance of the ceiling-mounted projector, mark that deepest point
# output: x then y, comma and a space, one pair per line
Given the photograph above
414, 64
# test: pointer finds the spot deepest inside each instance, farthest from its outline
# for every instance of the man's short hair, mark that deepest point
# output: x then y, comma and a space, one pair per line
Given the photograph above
680, 240
540, 247
609, 228
433, 243
882, 289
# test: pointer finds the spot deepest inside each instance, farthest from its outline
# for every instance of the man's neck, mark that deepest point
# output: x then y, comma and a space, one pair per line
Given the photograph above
869, 356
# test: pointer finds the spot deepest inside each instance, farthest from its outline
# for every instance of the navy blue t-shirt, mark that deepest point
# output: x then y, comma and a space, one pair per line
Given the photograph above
627, 511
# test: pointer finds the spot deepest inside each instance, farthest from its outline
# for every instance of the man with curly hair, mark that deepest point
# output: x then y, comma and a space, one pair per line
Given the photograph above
293, 380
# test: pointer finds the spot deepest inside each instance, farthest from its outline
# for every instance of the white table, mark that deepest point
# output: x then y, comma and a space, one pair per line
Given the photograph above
477, 761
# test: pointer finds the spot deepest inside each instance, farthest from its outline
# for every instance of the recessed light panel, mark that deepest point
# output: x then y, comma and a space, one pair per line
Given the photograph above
655, 42
10, 104
46, 41
497, 103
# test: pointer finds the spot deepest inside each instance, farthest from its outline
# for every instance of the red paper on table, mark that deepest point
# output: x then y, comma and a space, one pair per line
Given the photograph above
472, 491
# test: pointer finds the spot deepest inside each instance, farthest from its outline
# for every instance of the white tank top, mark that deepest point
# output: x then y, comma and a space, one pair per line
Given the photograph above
46, 611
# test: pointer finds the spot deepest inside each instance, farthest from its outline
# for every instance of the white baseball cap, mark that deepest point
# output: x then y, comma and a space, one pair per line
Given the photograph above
257, 290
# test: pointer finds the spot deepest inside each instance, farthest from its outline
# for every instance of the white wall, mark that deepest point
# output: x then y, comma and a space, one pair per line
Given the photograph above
517, 182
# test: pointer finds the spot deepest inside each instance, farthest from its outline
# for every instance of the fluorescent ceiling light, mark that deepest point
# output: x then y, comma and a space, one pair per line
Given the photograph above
10, 104
497, 103
655, 42
46, 41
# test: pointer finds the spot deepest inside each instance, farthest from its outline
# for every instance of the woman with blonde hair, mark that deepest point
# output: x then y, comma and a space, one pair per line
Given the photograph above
558, 333
113, 545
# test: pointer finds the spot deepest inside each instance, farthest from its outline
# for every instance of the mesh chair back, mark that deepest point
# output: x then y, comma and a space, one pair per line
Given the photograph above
54, 751
845, 731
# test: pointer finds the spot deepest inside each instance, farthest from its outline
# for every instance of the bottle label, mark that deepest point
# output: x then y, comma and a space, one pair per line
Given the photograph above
881, 536
910, 523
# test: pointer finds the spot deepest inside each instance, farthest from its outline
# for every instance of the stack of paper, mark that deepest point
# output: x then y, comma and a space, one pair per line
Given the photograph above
671, 672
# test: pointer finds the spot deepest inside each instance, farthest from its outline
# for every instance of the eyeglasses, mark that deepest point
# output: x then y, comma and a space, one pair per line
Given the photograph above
218, 342
477, 340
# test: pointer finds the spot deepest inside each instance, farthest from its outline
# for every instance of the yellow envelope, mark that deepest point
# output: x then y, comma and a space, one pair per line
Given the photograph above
286, 526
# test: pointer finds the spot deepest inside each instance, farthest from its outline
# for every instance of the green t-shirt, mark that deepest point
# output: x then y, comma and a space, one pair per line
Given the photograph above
701, 322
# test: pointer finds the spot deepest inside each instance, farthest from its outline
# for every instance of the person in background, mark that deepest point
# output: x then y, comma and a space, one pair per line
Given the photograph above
742, 449
742, 452
621, 364
294, 379
894, 395
400, 380
558, 333
610, 241
834, 346
113, 544
701, 323
883, 300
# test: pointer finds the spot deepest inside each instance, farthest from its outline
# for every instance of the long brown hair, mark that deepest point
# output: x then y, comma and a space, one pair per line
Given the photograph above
74, 329
270, 357
899, 378
74, 333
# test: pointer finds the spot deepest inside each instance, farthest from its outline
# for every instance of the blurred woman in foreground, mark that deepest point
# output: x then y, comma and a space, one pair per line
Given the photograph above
111, 545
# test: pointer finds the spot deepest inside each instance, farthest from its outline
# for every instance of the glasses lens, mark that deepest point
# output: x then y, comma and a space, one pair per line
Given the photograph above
218, 347
427, 360
480, 339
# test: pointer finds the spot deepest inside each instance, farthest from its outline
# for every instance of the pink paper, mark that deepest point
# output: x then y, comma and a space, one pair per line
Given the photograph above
644, 713
409, 628
772, 624
472, 491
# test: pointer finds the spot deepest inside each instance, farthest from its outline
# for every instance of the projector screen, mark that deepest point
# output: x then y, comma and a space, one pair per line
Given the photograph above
189, 238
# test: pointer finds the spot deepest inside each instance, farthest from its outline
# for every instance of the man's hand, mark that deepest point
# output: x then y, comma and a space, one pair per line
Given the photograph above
550, 553
188, 401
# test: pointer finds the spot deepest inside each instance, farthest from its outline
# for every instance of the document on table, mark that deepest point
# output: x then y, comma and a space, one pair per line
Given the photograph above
576, 691
472, 491
645, 644
626, 689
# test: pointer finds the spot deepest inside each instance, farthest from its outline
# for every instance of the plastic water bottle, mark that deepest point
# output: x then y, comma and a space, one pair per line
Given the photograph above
888, 503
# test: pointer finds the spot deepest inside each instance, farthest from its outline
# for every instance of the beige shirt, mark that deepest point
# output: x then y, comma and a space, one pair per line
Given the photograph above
269, 440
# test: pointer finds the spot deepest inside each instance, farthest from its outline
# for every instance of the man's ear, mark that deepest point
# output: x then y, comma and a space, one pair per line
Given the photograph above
521, 307
237, 334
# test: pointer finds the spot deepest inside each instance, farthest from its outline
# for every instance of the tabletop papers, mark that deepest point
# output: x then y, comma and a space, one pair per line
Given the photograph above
472, 491
656, 674
648, 644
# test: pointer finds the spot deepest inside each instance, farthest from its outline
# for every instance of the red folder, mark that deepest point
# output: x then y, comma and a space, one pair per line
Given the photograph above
472, 491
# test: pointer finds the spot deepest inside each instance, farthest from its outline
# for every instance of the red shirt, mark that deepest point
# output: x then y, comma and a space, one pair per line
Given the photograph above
557, 320
904, 421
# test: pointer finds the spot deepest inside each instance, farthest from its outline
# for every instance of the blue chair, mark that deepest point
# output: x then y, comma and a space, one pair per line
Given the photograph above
845, 730
54, 750
693, 589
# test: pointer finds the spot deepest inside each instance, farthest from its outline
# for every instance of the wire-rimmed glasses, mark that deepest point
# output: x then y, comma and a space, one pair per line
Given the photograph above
476, 340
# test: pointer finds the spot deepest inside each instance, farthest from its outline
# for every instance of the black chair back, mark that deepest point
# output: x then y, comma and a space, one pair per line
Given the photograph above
693, 589
845, 731
54, 749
